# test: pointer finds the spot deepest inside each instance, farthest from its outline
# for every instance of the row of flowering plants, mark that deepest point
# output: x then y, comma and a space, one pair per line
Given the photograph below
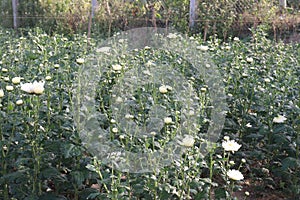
42, 155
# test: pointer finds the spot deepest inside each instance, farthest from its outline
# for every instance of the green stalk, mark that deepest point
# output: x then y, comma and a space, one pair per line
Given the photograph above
37, 185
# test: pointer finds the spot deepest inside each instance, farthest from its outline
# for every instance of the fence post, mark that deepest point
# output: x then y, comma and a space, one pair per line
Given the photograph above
15, 13
193, 8
282, 4
93, 7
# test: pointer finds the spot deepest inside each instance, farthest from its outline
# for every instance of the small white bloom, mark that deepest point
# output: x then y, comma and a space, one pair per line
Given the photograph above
114, 130
231, 162
103, 49
6, 79
243, 160
188, 141
149, 63
171, 36
279, 119
203, 89
16, 80
235, 175
267, 80
265, 170
9, 88
247, 193
119, 100
129, 116
231, 145
245, 75
116, 67
122, 137
248, 125
1, 93
260, 88
112, 121
19, 102
168, 120
4, 70
80, 60
249, 59
236, 39
48, 78
226, 138
202, 48
147, 47
56, 65
163, 89
153, 133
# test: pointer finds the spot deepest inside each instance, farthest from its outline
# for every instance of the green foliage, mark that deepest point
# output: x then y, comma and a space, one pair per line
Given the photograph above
41, 152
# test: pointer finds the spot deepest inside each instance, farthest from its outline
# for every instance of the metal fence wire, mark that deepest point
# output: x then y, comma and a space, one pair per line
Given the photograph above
225, 17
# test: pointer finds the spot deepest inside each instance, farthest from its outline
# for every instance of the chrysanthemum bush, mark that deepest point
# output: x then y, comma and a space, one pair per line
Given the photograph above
42, 156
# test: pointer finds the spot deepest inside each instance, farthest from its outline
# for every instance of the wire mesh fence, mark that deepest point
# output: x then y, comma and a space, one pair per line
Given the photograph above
229, 17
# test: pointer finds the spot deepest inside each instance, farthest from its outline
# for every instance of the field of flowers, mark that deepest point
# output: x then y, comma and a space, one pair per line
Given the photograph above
42, 156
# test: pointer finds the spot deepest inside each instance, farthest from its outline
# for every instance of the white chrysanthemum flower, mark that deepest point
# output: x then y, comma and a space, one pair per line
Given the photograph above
243, 160
163, 89
48, 78
231, 145
35, 87
38, 87
9, 88
121, 41
6, 79
19, 102
149, 63
202, 48
226, 138
245, 75
1, 93
188, 141
119, 100
249, 59
4, 70
236, 39
116, 67
279, 119
103, 50
171, 36
27, 87
80, 60
16, 80
267, 80
114, 130
168, 120
248, 125
56, 65
129, 116
153, 133
235, 175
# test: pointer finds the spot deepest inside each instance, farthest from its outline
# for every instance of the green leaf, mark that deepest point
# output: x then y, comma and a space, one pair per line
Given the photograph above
289, 163
220, 193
